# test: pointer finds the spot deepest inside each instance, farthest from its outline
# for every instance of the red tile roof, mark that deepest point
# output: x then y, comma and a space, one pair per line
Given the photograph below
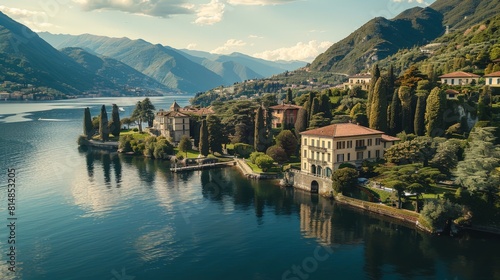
285, 107
174, 114
388, 138
361, 76
459, 74
341, 130
494, 74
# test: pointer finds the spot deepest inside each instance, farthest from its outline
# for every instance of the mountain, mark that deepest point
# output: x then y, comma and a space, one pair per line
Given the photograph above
460, 14
117, 72
163, 64
380, 38
263, 67
27, 59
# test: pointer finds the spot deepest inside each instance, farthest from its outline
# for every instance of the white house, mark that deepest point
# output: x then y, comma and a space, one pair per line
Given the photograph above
493, 79
324, 149
172, 124
361, 80
459, 78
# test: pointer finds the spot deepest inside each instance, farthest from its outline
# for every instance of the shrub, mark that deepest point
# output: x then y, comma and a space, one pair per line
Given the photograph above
243, 150
264, 162
135, 129
254, 156
277, 153
82, 140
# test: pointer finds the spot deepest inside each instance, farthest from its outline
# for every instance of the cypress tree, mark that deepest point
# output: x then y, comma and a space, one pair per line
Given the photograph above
260, 131
309, 103
314, 108
87, 124
484, 104
378, 114
325, 106
103, 124
204, 147
395, 114
434, 110
114, 126
289, 96
300, 122
419, 122
405, 97
216, 134
373, 82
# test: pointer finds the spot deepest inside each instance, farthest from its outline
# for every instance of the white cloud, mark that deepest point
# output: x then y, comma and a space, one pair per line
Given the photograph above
410, 1
251, 36
229, 46
191, 46
259, 2
301, 51
33, 19
208, 14
156, 8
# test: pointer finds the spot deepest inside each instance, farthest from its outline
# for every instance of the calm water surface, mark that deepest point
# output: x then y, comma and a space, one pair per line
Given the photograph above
97, 215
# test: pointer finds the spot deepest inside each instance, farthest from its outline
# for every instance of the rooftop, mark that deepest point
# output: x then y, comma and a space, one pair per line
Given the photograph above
342, 130
285, 107
494, 74
459, 74
361, 76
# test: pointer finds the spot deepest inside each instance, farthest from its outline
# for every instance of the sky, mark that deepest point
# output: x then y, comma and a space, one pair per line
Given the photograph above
268, 29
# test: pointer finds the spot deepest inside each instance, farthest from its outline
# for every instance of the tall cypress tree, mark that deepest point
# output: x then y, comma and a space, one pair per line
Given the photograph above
103, 124
204, 146
314, 108
405, 97
87, 124
301, 122
260, 131
309, 103
289, 96
325, 106
378, 114
216, 134
114, 125
419, 122
434, 110
395, 114
373, 82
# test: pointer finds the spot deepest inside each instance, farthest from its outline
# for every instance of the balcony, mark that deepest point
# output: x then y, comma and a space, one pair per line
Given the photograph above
317, 149
317, 162
360, 148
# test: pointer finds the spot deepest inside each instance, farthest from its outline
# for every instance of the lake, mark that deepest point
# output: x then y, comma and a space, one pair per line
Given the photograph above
89, 214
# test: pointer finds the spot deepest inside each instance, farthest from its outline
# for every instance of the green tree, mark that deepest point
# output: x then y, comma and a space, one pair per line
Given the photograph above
405, 96
318, 120
127, 122
149, 111
434, 110
103, 124
325, 106
399, 187
420, 149
289, 96
314, 108
371, 88
419, 121
287, 141
344, 178
417, 189
301, 122
411, 77
438, 213
254, 156
484, 104
260, 132
277, 153
378, 115
204, 146
88, 129
115, 125
478, 172
185, 144
447, 155
138, 115
163, 149
264, 162
216, 134
395, 114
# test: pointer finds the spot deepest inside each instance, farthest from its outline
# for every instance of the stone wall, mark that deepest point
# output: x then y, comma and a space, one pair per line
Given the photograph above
308, 182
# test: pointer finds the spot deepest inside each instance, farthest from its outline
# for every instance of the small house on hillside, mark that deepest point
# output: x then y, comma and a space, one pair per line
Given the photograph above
452, 94
493, 79
361, 80
459, 78
284, 115
172, 124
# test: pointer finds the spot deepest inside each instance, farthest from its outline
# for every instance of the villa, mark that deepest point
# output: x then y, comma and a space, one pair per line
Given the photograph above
361, 80
493, 79
284, 114
459, 78
324, 149
172, 124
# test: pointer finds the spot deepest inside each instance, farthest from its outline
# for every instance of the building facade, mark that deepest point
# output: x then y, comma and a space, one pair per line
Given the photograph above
459, 78
361, 80
493, 79
324, 149
284, 114
172, 124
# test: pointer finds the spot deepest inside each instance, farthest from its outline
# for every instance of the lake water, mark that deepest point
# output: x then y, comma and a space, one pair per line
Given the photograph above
97, 215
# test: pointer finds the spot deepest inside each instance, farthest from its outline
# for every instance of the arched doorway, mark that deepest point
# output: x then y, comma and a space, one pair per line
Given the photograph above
328, 172
313, 169
314, 186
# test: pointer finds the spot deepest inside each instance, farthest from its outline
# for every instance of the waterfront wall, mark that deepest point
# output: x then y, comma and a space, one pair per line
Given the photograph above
309, 182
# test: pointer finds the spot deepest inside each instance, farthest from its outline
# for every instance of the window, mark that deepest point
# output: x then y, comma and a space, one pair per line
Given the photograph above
490, 82
183, 127
305, 141
305, 166
377, 153
329, 144
369, 154
328, 157
183, 120
370, 142
340, 158
305, 153
323, 157
359, 155
452, 81
498, 81
377, 141
317, 155
340, 145
348, 156
312, 142
322, 144
349, 144
360, 143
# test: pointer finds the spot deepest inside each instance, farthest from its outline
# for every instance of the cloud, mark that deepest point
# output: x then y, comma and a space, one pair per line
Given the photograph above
301, 51
251, 36
33, 19
156, 8
191, 46
259, 2
410, 1
230, 45
208, 14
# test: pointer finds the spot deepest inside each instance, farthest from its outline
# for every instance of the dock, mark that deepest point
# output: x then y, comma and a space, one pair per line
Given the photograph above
202, 166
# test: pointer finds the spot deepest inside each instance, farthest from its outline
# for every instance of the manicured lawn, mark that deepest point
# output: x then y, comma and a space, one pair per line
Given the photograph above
190, 153
256, 169
137, 135
381, 194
